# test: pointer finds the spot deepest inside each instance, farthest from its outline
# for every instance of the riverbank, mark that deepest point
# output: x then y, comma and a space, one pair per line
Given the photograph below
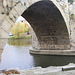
23, 37
41, 71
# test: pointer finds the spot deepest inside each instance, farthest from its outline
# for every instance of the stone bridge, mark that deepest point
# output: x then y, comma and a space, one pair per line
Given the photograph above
48, 18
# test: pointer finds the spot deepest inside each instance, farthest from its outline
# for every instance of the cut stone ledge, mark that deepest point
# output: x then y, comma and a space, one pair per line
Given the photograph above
53, 52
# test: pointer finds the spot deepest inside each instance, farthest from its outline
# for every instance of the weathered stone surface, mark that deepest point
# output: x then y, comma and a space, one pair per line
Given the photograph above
2, 43
5, 34
1, 9
6, 26
49, 26
11, 17
52, 52
15, 14
9, 20
35, 42
19, 9
2, 17
46, 35
1, 50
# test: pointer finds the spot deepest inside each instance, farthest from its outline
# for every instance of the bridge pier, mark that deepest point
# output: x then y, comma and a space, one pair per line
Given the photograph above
51, 28
2, 43
53, 52
51, 34
47, 45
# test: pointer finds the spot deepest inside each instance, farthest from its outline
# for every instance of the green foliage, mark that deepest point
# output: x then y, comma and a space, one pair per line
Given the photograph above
11, 38
72, 16
70, 1
20, 42
19, 29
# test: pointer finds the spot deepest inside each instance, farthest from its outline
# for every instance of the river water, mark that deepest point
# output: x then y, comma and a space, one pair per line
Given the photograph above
16, 55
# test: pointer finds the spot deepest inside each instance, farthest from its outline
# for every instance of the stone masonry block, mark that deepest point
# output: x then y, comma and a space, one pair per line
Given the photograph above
6, 26
10, 20
19, 8
3, 34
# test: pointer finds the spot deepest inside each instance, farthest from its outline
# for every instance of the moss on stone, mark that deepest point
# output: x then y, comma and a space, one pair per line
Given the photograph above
2, 13
7, 13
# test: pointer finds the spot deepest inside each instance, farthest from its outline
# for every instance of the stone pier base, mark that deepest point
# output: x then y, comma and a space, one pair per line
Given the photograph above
52, 52
1, 50
2, 42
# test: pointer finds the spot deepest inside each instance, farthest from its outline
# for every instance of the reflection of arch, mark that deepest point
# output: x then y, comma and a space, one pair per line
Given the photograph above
49, 25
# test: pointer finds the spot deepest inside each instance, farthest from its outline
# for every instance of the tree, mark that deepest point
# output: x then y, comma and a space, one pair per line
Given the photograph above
70, 1
19, 28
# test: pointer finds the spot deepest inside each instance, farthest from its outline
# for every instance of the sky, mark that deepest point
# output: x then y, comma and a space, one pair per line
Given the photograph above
20, 19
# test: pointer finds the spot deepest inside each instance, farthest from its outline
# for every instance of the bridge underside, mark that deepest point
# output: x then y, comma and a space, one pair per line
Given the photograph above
49, 28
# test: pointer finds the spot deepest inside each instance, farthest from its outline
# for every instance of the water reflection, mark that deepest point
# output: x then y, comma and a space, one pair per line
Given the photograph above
47, 60
16, 55
20, 42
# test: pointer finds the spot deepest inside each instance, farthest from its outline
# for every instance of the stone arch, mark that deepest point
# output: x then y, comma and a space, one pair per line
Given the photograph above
6, 25
8, 20
51, 30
